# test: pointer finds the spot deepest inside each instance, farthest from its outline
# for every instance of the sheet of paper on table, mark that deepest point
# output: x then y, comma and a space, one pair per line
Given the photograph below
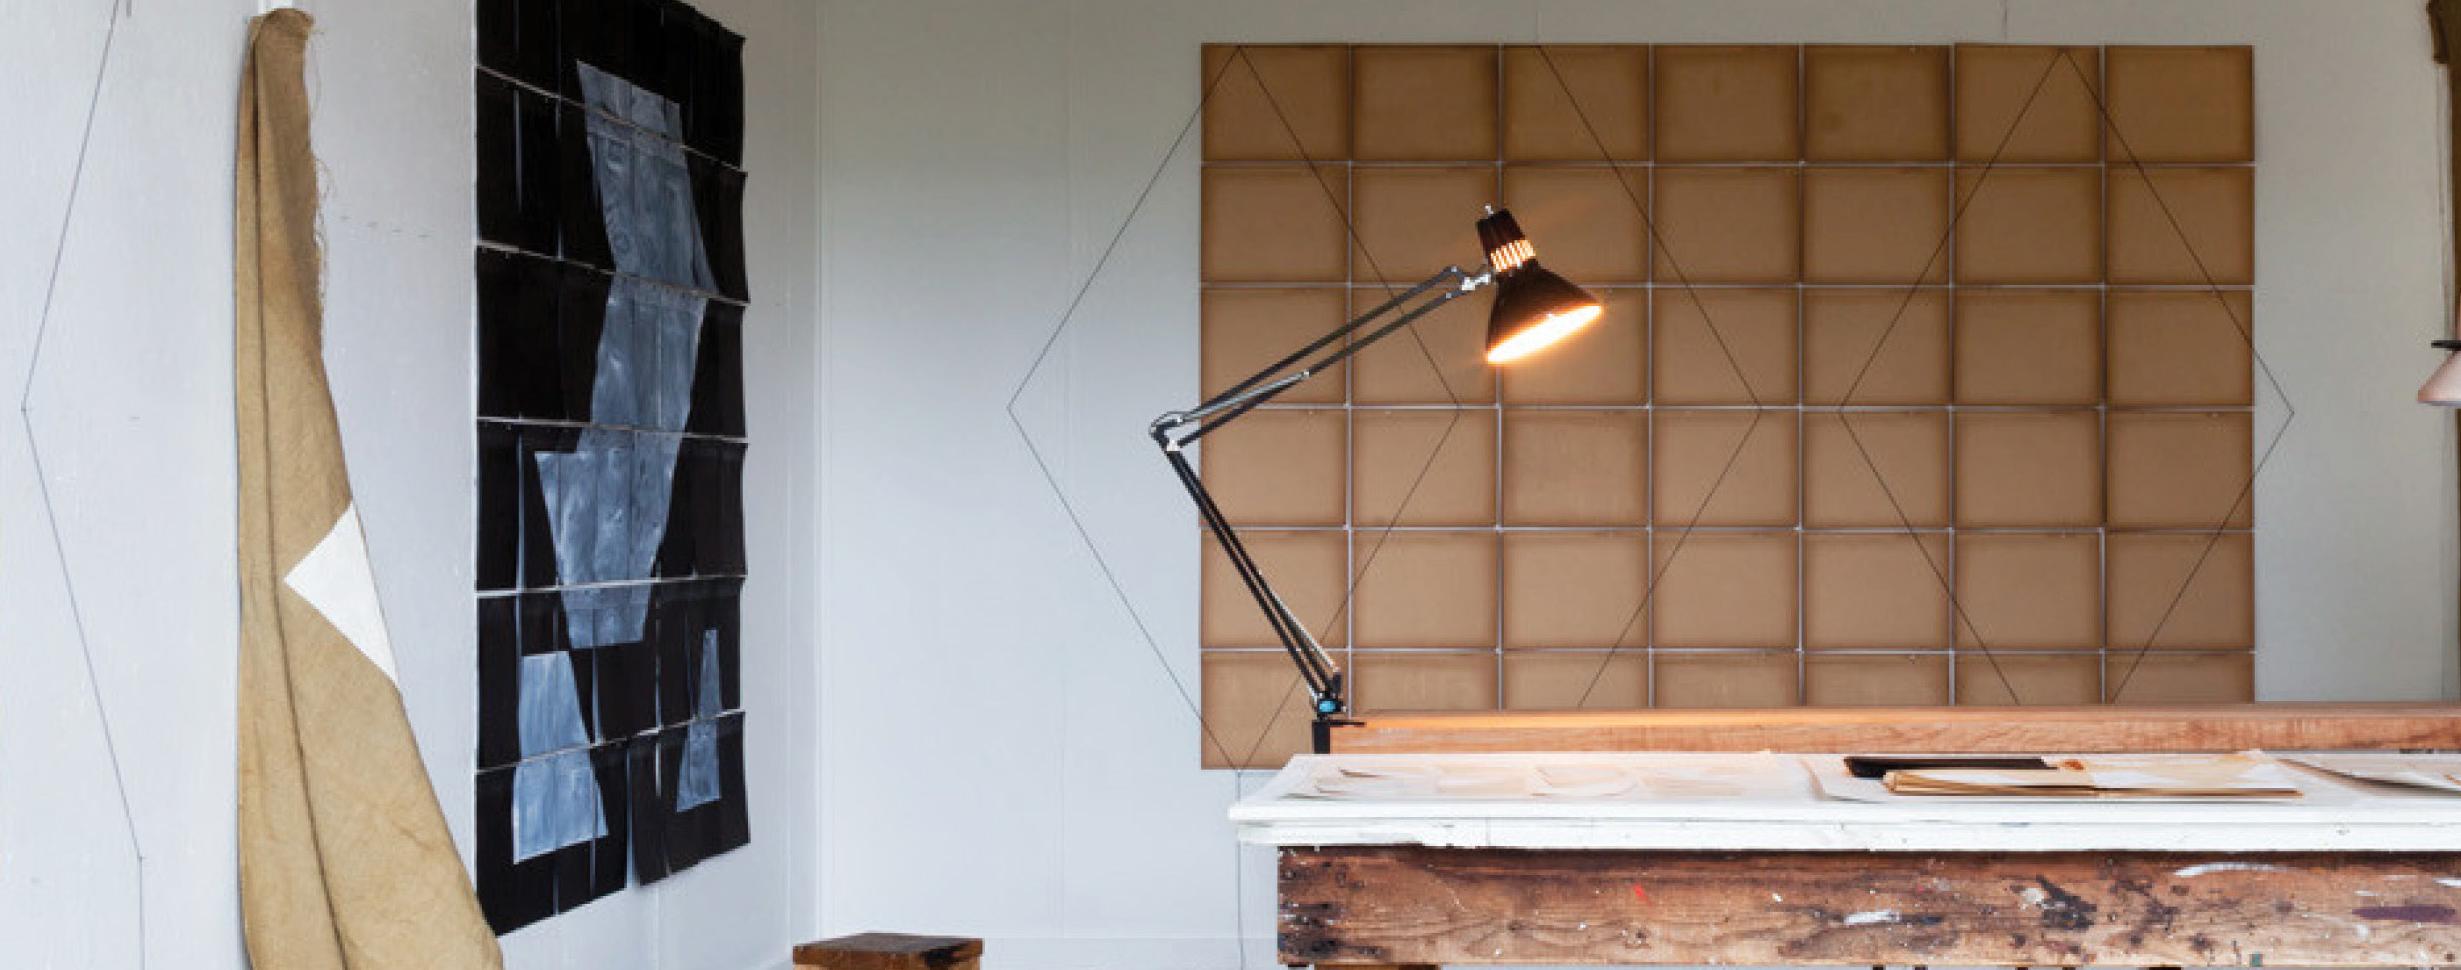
2109, 776
2434, 772
2137, 777
1561, 778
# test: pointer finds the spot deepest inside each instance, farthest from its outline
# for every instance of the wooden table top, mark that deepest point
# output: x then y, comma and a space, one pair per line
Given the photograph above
1773, 802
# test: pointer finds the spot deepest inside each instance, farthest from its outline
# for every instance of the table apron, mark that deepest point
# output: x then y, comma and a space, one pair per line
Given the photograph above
1417, 905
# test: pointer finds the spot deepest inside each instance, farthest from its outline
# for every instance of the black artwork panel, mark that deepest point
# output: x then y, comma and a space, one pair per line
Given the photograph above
544, 625
733, 806
542, 164
714, 120
681, 41
689, 834
721, 516
584, 33
608, 35
521, 365
543, 273
538, 381
628, 683
572, 874
517, 38
645, 42
678, 549
499, 322
585, 689
668, 48
610, 865
717, 202
498, 158
723, 611
650, 809
499, 511
708, 829
582, 224
717, 380
581, 317
498, 26
686, 614
681, 613
512, 895
705, 527
519, 157
499, 681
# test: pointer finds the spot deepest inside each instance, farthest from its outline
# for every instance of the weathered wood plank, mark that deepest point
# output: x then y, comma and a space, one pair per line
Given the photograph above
2216, 727
1408, 904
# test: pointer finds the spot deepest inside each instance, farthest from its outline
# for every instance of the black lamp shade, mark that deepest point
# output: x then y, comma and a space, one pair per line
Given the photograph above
1533, 307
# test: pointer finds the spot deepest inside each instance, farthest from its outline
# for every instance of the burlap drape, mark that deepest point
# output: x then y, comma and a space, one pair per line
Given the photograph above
344, 859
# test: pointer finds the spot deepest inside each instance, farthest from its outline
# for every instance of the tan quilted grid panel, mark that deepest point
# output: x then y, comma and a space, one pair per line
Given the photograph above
1918, 383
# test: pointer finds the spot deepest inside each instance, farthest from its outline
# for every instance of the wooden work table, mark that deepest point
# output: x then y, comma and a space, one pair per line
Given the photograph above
1743, 858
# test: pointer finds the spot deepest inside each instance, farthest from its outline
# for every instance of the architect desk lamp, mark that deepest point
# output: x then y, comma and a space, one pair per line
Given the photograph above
1533, 308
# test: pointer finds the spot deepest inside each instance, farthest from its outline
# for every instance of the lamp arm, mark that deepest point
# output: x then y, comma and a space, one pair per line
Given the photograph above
1187, 426
1175, 430
1338, 333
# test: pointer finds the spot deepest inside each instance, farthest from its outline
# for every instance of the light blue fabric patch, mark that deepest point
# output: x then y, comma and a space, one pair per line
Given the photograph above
696, 782
607, 506
555, 804
644, 185
608, 499
649, 341
710, 703
550, 711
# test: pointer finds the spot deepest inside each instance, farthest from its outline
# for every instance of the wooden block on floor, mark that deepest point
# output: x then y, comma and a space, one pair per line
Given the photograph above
891, 951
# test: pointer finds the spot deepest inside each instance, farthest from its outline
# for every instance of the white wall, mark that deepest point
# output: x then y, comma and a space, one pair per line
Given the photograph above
132, 409
1004, 756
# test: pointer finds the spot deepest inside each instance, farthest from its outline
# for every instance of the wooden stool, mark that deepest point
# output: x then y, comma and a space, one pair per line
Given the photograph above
891, 951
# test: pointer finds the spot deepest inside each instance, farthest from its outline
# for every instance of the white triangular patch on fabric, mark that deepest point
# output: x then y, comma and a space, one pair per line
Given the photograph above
335, 578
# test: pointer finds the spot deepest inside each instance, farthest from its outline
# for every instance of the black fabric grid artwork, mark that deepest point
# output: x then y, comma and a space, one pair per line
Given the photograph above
610, 428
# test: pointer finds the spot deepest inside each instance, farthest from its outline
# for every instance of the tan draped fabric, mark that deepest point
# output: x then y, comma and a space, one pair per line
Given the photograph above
344, 859
2444, 28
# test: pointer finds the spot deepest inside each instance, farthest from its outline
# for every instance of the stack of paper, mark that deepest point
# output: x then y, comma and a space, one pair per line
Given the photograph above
2109, 776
